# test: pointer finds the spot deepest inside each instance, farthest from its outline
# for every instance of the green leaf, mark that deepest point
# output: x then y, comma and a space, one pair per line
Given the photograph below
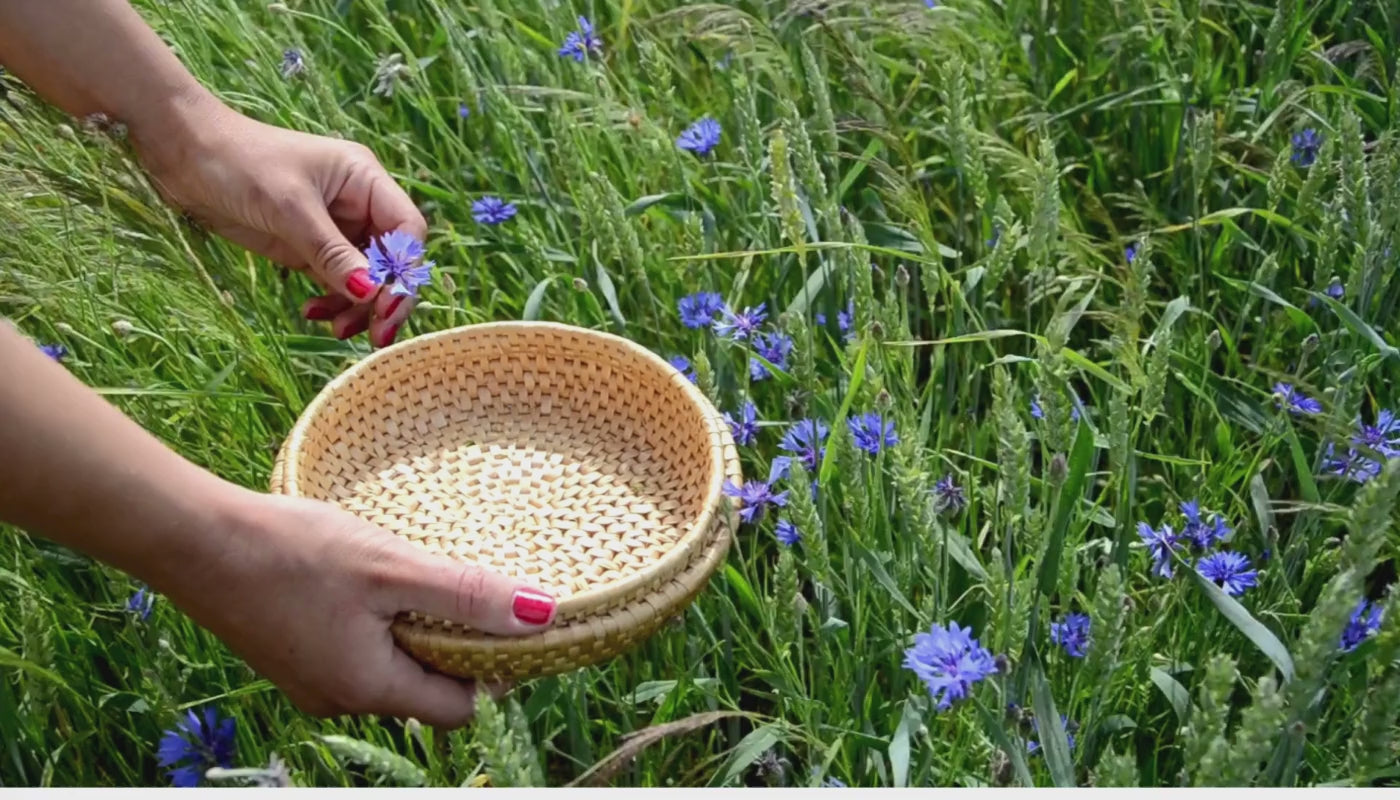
532, 304
1066, 501
747, 599
1259, 497
1054, 742
643, 203
899, 745
1357, 325
882, 577
1298, 315
1252, 628
1175, 693
857, 378
961, 551
1307, 486
996, 731
605, 285
749, 750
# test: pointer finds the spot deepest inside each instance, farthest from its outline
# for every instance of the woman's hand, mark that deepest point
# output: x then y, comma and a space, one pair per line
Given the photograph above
307, 202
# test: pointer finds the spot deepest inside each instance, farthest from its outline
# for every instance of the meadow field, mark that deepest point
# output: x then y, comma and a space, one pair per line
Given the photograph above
1074, 321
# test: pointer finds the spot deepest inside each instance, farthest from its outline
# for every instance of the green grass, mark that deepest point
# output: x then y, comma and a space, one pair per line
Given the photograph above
913, 135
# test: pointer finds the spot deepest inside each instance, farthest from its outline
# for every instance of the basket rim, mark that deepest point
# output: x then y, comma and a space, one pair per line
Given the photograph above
631, 586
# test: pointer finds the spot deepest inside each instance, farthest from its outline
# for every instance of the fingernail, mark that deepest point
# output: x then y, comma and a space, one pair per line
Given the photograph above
532, 607
318, 313
359, 284
387, 338
393, 306
355, 329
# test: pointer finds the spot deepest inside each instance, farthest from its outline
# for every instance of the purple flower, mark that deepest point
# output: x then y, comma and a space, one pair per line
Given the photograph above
755, 496
1160, 543
1383, 437
398, 257
141, 603
195, 745
1335, 290
1131, 252
1293, 400
845, 320
1072, 633
787, 533
1229, 570
741, 325
806, 440
1039, 413
492, 210
55, 351
745, 428
1355, 466
949, 661
1363, 625
948, 497
1201, 533
292, 63
1033, 746
578, 44
773, 348
463, 111
871, 432
701, 137
698, 310
1306, 143
682, 364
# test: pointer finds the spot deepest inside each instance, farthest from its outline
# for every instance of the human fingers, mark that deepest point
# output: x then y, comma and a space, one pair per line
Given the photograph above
464, 593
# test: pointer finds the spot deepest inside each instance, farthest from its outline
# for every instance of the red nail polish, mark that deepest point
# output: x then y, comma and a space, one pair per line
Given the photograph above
387, 338
393, 306
532, 607
356, 328
319, 313
360, 284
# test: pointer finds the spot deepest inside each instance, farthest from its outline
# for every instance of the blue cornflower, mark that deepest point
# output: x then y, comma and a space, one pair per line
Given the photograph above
292, 63
55, 351
1039, 413
701, 137
948, 497
1362, 625
1201, 533
1160, 543
1295, 401
1306, 143
996, 236
745, 428
806, 439
698, 310
1033, 746
578, 44
141, 603
492, 210
757, 495
949, 661
846, 319
1230, 570
195, 745
1071, 633
871, 432
741, 325
682, 364
397, 256
1335, 290
1383, 437
931, 3
787, 533
775, 349
463, 110
1131, 252
1355, 466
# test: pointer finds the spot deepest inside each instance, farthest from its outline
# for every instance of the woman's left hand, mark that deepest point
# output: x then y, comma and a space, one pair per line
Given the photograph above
309, 203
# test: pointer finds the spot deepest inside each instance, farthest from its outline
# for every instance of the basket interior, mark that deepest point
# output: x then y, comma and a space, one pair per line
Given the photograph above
548, 455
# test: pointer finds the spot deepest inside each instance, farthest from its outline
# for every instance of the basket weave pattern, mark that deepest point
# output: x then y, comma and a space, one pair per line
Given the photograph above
574, 460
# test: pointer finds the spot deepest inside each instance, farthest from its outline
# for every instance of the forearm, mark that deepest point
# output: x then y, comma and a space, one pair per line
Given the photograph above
76, 471
89, 56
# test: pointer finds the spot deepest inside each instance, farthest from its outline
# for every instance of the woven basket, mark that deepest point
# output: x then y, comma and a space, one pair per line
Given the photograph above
572, 459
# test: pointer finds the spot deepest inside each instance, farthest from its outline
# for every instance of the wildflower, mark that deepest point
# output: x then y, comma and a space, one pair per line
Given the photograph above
1335, 289
1201, 533
1355, 466
1305, 146
948, 497
745, 428
757, 495
787, 533
1362, 625
845, 320
1033, 746
398, 256
578, 44
463, 111
141, 603
55, 351
492, 210
806, 439
1383, 437
292, 63
197, 744
996, 236
1131, 252
701, 137
1160, 543
741, 325
698, 310
1229, 570
773, 348
1039, 413
949, 661
871, 432
1296, 402
1071, 633
682, 364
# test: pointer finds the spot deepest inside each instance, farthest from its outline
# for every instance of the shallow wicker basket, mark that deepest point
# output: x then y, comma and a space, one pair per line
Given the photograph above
573, 459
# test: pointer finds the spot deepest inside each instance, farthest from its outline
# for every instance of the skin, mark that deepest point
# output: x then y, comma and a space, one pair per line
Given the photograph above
316, 588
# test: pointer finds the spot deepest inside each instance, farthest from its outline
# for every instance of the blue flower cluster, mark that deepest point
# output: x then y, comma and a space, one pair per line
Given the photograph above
1359, 464
1226, 568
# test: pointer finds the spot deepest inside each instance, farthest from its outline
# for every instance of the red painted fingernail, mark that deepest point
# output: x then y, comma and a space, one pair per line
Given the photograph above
319, 313
387, 338
355, 329
393, 306
360, 284
532, 607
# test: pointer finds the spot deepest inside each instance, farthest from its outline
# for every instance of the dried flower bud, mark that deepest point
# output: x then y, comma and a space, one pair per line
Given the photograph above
901, 276
1059, 468
883, 401
122, 328
1310, 343
1213, 340
580, 285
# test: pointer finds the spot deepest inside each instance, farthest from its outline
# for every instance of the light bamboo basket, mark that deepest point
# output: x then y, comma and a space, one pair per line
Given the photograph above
573, 459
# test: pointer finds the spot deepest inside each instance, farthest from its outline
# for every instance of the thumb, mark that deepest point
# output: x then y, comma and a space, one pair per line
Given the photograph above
335, 263
470, 595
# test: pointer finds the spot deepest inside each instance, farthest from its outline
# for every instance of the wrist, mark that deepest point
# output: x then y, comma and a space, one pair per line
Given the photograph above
177, 130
